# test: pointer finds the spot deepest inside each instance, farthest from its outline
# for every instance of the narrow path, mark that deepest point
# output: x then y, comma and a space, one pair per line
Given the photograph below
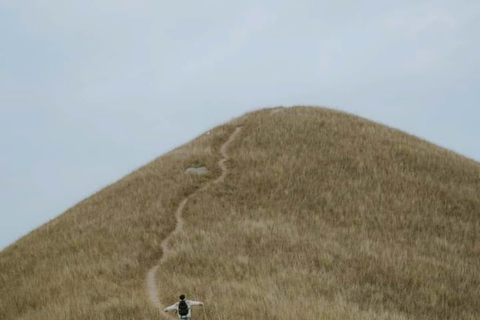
153, 290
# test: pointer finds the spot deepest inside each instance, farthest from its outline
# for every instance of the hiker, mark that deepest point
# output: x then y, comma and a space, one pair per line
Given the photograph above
183, 307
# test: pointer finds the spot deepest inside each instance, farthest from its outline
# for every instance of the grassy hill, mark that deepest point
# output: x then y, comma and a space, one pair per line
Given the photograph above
322, 215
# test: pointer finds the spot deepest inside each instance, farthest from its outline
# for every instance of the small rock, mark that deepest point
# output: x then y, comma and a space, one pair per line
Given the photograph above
276, 110
199, 171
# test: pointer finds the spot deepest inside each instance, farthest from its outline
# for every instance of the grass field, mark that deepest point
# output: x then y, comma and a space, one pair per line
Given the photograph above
322, 215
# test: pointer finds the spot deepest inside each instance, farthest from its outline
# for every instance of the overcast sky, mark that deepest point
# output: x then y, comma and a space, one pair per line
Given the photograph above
92, 89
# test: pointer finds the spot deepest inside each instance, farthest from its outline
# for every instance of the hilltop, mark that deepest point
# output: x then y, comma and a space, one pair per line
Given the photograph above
320, 214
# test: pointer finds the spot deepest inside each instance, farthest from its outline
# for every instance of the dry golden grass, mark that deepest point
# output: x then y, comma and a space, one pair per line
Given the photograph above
322, 215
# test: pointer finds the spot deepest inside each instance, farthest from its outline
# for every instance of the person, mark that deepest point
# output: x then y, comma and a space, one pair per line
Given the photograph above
183, 307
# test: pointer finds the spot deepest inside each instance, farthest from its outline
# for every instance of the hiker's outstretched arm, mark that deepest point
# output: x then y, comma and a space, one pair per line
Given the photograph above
171, 308
196, 303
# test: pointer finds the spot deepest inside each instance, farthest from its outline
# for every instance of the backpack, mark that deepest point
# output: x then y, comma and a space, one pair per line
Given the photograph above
182, 308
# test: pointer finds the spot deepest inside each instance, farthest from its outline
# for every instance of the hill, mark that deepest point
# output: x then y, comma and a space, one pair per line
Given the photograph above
320, 215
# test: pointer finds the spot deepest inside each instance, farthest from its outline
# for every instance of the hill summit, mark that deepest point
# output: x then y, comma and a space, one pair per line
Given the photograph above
299, 213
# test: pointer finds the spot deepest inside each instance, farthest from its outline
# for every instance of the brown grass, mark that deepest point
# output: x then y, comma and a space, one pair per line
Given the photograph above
322, 215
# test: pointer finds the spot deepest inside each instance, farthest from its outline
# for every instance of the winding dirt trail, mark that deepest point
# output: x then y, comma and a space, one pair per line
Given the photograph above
153, 290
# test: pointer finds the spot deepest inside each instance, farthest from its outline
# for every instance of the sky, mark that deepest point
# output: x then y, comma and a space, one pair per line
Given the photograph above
90, 90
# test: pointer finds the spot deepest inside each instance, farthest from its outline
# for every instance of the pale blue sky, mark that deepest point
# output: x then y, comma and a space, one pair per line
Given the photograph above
91, 90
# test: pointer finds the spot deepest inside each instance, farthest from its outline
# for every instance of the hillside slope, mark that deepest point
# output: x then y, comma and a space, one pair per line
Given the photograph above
322, 215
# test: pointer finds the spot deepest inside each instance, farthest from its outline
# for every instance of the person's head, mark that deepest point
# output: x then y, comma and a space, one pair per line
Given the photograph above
182, 297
